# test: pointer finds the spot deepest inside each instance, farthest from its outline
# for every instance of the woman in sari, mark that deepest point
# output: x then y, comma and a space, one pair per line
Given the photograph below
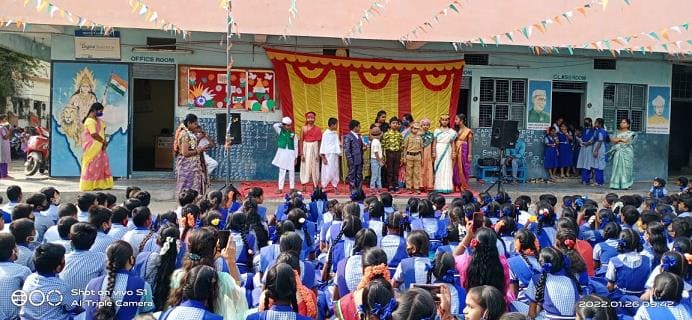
622, 157
444, 138
189, 162
96, 170
427, 177
462, 154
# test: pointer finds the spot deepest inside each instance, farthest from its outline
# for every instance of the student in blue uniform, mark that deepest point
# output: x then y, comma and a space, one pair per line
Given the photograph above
281, 288
544, 228
414, 268
332, 224
444, 271
673, 262
434, 227
439, 203
376, 214
627, 272
216, 200
524, 265
306, 229
269, 253
666, 300
234, 201
555, 290
505, 228
100, 218
245, 243
551, 153
388, 203
565, 139
24, 233
655, 243
12, 276
198, 299
82, 265
349, 271
394, 244
318, 206
451, 239
291, 242
604, 251
257, 194
126, 294
49, 261
600, 141
343, 244
156, 267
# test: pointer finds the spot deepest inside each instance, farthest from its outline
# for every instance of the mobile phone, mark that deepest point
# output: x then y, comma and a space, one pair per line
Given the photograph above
477, 220
224, 235
434, 289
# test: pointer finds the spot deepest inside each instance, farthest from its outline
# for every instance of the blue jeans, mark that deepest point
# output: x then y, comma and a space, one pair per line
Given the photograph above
515, 166
375, 174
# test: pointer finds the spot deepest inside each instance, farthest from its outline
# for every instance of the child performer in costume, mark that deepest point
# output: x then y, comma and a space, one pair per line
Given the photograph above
310, 155
330, 150
426, 173
286, 153
413, 148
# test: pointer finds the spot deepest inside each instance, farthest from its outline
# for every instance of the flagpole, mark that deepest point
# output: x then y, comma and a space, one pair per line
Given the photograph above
229, 63
105, 91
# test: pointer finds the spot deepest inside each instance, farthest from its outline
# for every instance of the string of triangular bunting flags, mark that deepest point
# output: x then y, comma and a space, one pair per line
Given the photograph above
623, 42
375, 9
424, 27
13, 22
51, 9
292, 14
144, 10
541, 25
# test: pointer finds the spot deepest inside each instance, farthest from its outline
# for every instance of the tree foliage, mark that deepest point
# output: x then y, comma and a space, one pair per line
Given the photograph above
16, 70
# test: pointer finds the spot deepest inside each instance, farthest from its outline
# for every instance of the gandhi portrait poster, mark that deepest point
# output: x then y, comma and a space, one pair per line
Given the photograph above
539, 105
658, 110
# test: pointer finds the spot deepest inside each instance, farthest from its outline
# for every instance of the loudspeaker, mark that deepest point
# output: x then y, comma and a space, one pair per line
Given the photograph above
234, 130
505, 134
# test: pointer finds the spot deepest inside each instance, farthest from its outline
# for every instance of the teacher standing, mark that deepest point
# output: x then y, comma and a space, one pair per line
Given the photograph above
96, 170
622, 154
190, 167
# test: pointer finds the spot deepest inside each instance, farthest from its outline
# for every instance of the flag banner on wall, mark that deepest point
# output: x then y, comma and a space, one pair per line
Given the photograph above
352, 88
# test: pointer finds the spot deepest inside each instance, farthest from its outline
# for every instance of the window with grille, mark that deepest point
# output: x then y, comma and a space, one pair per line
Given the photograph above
502, 99
622, 100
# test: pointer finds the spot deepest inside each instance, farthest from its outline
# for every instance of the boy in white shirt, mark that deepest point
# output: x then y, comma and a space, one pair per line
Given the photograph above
376, 159
330, 150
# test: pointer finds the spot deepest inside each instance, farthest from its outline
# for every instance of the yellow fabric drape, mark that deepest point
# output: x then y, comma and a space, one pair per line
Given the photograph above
426, 103
319, 98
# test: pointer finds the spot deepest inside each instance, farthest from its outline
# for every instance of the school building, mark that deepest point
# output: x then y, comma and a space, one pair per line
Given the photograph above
150, 77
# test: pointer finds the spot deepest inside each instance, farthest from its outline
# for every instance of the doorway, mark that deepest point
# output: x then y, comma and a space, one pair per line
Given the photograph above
568, 102
464, 97
153, 117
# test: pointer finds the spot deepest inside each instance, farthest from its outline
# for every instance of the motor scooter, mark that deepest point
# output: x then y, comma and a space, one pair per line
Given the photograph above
37, 152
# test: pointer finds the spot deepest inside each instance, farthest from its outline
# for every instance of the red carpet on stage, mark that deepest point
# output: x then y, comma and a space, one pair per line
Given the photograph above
270, 188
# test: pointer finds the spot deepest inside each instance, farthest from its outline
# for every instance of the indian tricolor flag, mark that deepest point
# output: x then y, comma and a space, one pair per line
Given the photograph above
118, 84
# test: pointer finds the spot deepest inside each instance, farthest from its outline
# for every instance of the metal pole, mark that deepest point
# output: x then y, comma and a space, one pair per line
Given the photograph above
229, 64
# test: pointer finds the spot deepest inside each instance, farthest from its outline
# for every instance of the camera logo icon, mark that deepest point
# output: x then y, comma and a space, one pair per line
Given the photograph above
19, 298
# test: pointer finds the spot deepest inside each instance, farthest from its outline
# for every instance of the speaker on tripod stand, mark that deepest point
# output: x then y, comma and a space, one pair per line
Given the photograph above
504, 135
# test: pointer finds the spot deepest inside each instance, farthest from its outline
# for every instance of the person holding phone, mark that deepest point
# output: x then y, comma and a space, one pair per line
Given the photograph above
478, 260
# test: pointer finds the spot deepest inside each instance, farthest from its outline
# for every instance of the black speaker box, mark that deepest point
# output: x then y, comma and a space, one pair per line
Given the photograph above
505, 134
234, 130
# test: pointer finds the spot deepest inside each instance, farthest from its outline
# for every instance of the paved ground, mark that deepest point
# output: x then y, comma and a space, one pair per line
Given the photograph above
162, 190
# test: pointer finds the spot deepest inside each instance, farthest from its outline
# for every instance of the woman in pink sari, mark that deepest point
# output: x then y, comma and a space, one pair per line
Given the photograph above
462, 155
96, 170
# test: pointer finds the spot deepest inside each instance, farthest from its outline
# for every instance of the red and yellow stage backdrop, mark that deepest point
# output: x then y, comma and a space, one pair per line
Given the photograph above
350, 88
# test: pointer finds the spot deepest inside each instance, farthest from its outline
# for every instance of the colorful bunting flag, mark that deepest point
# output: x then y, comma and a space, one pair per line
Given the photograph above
509, 36
570, 49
